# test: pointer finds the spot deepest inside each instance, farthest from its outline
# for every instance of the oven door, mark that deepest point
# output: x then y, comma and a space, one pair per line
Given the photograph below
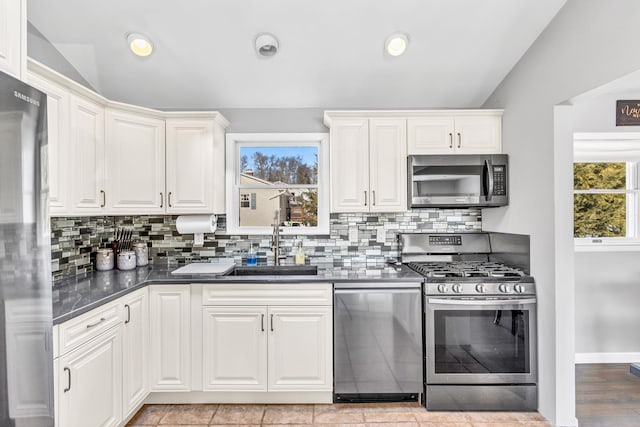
480, 340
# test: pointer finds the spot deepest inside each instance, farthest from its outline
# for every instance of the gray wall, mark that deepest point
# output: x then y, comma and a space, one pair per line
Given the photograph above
41, 49
607, 298
581, 49
274, 120
598, 113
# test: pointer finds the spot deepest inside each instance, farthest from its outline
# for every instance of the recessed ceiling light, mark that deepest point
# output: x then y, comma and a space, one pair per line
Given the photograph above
396, 44
140, 44
266, 44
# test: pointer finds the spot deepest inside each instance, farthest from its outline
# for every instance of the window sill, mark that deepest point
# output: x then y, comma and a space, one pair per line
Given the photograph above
607, 246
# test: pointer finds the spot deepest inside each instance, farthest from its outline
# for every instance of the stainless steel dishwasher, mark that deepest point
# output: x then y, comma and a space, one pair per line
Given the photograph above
377, 341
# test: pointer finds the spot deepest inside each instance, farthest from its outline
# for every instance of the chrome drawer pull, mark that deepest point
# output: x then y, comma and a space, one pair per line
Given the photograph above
91, 325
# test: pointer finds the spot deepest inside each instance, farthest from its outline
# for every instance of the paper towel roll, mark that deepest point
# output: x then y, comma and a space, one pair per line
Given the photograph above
187, 224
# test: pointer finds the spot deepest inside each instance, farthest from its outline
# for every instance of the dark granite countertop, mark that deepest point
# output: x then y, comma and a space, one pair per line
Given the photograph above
74, 296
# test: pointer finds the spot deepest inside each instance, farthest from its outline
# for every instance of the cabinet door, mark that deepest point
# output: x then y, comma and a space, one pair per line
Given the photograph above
235, 348
430, 135
12, 36
135, 163
135, 350
169, 330
478, 135
57, 144
388, 165
190, 166
90, 383
349, 145
300, 348
87, 156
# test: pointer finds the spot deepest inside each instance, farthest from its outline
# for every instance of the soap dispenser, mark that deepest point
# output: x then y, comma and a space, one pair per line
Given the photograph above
300, 254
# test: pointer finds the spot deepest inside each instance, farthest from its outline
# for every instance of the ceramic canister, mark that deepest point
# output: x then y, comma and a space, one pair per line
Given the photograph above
104, 259
126, 260
142, 253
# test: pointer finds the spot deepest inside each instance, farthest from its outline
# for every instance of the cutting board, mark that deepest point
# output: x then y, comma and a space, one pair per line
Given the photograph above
205, 268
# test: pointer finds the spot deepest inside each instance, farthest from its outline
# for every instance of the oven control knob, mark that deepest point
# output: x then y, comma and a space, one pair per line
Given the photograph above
481, 288
504, 288
456, 288
442, 288
518, 288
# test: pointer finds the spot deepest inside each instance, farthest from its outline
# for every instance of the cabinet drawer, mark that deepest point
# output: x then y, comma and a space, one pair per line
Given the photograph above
77, 331
267, 294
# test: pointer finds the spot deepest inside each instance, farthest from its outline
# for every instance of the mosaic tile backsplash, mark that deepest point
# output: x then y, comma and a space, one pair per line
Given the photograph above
75, 240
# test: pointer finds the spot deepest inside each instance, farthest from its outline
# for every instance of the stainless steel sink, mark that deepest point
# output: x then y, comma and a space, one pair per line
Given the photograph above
275, 270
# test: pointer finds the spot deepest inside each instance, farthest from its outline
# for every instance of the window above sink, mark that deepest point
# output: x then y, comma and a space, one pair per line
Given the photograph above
270, 171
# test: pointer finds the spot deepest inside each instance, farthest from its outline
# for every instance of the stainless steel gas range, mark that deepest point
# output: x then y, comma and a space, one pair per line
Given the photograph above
479, 318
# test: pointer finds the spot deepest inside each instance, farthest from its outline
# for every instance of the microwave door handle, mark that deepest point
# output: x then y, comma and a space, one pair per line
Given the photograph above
489, 167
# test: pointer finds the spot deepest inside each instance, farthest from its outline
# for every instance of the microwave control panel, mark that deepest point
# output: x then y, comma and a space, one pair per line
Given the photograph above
500, 180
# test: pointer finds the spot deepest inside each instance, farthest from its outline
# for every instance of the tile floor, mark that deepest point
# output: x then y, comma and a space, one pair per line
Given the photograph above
344, 415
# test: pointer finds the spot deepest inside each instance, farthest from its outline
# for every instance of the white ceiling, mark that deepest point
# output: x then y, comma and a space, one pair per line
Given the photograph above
331, 51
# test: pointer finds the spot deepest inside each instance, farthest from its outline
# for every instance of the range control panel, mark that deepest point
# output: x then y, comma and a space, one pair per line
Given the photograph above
440, 240
500, 180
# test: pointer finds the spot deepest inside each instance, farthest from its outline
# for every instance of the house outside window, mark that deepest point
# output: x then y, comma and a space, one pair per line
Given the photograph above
285, 173
605, 192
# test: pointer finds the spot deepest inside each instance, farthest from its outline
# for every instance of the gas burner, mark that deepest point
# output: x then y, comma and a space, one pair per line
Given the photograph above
476, 274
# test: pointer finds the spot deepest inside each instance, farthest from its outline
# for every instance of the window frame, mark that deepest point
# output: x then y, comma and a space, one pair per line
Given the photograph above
612, 147
235, 141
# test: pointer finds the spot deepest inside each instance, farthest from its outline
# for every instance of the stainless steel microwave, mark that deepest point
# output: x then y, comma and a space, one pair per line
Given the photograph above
458, 180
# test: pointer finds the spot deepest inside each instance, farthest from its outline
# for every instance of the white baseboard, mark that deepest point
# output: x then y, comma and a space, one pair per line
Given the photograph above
239, 397
607, 358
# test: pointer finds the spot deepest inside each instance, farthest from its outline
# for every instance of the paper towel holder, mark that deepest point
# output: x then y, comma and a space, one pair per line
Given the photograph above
196, 225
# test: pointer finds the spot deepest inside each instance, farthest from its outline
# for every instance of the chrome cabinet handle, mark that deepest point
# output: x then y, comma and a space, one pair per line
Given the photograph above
104, 199
128, 314
161, 200
92, 325
373, 197
365, 197
169, 199
69, 380
459, 139
272, 323
450, 140
262, 322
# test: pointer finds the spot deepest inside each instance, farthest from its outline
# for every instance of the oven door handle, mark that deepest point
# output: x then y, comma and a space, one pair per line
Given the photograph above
482, 302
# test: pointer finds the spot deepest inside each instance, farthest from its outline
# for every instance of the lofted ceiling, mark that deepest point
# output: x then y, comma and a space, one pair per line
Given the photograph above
331, 51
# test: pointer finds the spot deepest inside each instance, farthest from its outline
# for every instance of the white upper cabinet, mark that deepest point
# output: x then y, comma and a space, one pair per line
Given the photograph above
135, 163
87, 157
349, 146
13, 29
464, 133
191, 183
368, 165
388, 165
58, 116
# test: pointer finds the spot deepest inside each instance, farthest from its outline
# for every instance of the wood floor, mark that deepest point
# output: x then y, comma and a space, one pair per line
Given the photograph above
345, 415
607, 395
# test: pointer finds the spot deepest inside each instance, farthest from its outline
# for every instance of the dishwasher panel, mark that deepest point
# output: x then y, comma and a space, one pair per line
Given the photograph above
378, 344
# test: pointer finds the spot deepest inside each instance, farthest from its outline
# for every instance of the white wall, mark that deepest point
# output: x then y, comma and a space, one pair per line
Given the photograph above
294, 120
607, 284
607, 298
585, 46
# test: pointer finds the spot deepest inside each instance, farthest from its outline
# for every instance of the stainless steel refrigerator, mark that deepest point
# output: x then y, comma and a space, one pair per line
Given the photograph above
26, 363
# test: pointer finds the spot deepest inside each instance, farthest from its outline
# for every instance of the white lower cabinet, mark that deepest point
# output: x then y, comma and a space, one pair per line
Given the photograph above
283, 347
235, 348
170, 340
135, 351
90, 383
300, 348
